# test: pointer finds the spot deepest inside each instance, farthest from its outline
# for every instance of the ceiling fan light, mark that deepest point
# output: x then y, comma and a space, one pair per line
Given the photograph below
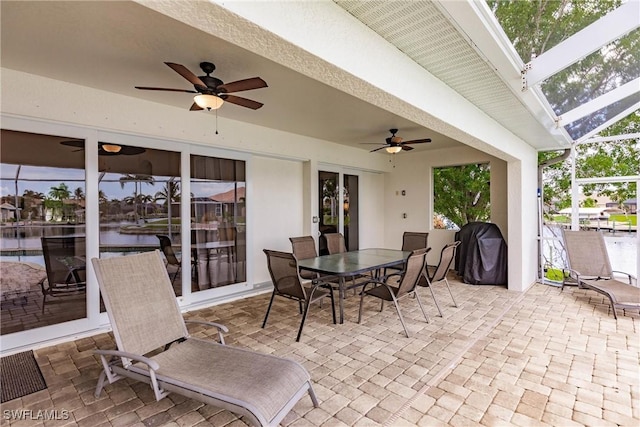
394, 149
111, 148
208, 102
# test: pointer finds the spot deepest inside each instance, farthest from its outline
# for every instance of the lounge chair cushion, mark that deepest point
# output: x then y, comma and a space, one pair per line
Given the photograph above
258, 380
620, 293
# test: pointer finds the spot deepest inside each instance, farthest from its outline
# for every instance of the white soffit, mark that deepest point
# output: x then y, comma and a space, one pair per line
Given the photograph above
463, 54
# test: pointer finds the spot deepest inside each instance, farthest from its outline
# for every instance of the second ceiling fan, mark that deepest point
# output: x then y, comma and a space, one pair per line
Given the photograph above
395, 144
212, 92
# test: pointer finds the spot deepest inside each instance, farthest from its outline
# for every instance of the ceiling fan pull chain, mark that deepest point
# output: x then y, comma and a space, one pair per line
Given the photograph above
216, 122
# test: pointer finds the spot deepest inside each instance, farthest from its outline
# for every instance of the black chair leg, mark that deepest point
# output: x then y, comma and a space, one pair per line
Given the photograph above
333, 306
304, 317
266, 316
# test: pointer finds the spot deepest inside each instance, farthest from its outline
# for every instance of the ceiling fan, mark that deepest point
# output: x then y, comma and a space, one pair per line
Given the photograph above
106, 149
211, 91
395, 144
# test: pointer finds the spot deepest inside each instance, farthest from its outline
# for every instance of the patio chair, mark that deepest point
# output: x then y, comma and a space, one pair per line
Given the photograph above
407, 281
411, 240
173, 258
447, 255
590, 268
285, 275
169, 254
414, 240
146, 319
336, 245
304, 247
65, 265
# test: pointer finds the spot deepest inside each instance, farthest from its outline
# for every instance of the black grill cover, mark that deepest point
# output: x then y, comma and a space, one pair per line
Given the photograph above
481, 258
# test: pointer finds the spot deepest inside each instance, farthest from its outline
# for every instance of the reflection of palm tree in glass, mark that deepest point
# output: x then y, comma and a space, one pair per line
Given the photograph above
56, 197
169, 194
32, 203
78, 194
145, 199
137, 180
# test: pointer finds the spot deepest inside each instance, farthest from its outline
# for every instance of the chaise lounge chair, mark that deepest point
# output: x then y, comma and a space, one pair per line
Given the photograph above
590, 268
146, 319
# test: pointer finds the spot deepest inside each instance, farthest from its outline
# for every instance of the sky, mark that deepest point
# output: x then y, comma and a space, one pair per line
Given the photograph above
41, 179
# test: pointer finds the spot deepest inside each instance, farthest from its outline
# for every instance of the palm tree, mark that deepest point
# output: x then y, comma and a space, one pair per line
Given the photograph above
137, 180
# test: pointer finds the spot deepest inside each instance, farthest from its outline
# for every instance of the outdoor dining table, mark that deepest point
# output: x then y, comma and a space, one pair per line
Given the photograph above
348, 264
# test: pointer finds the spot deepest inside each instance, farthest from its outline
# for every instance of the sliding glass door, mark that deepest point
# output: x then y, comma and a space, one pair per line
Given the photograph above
337, 208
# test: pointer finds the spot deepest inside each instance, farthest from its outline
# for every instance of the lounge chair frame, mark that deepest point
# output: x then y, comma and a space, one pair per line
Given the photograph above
590, 268
265, 387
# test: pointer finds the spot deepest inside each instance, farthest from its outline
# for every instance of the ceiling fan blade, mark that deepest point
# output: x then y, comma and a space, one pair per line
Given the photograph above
243, 102
165, 89
377, 149
184, 72
417, 141
405, 148
240, 85
195, 107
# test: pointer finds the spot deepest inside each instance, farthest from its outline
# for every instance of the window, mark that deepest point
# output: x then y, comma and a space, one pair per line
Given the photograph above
218, 221
42, 199
139, 199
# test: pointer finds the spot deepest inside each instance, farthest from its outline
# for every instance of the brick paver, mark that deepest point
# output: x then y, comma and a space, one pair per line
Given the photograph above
544, 357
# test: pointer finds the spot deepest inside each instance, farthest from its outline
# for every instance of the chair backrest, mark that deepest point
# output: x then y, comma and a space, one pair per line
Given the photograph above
303, 247
167, 249
447, 256
413, 271
139, 298
413, 240
335, 243
587, 253
59, 254
283, 268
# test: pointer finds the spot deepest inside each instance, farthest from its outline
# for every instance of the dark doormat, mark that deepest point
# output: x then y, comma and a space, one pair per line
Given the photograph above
19, 376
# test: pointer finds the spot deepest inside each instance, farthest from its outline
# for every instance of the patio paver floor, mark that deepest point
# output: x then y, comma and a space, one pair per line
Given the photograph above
501, 358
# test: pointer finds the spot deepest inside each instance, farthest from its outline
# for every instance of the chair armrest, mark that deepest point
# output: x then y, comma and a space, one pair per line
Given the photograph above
382, 280
152, 364
385, 278
221, 328
629, 276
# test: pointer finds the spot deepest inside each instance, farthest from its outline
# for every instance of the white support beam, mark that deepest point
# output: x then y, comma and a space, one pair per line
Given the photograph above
609, 122
605, 30
612, 138
607, 179
600, 102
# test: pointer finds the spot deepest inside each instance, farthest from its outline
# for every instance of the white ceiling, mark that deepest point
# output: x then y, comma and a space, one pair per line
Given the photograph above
114, 46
